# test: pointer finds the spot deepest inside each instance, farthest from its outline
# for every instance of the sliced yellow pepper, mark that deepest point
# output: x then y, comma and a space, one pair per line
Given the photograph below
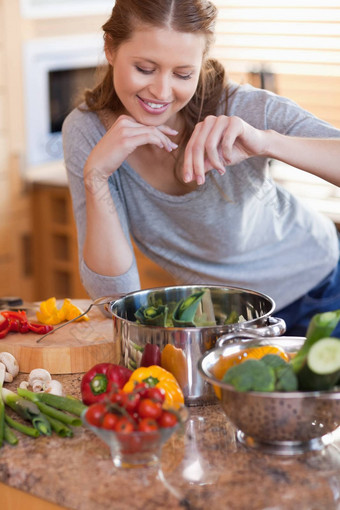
49, 313
160, 378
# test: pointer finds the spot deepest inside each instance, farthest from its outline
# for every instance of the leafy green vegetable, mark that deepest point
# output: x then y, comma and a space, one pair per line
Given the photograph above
232, 318
152, 316
186, 308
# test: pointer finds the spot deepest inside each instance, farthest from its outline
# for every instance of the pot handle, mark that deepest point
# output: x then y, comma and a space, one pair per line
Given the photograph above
247, 335
274, 327
105, 301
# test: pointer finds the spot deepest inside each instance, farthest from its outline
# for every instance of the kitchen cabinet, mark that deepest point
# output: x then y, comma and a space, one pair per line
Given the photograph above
55, 251
54, 244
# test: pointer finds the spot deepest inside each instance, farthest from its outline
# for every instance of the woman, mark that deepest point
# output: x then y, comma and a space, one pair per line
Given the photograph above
166, 151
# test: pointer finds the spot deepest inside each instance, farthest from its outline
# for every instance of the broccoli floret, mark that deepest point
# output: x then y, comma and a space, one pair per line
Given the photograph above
273, 360
286, 379
251, 375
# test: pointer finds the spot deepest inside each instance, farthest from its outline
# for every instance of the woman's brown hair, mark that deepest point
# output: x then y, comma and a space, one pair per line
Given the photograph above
189, 16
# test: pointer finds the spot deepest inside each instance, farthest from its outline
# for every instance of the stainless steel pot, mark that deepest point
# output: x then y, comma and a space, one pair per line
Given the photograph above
190, 343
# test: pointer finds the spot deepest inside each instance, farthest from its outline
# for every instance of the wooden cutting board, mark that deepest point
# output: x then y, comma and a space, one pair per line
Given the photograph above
74, 348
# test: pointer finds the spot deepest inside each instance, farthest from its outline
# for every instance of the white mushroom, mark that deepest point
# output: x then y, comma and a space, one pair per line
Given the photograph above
24, 385
2, 375
55, 387
39, 378
11, 364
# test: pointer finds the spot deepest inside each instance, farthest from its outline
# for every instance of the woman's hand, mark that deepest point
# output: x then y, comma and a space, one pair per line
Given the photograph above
217, 142
124, 136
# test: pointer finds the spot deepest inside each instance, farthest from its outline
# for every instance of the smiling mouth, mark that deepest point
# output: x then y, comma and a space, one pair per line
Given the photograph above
155, 106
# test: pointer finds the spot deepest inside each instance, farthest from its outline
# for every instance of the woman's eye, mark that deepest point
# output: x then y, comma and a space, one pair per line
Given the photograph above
144, 71
184, 76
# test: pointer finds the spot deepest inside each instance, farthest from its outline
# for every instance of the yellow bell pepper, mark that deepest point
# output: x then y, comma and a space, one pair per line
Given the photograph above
173, 360
160, 378
49, 313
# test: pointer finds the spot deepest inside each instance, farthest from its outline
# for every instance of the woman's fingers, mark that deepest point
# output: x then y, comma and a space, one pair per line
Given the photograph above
128, 128
220, 141
202, 148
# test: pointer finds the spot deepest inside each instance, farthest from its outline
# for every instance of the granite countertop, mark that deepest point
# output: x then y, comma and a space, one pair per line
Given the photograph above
204, 467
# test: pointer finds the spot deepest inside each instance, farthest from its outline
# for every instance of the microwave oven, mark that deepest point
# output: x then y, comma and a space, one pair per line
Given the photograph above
56, 72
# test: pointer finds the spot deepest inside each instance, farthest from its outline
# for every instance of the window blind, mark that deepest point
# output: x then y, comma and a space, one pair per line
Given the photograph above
283, 36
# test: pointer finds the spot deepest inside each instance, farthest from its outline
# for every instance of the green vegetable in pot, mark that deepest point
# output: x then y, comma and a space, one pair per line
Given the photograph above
322, 368
232, 318
321, 326
251, 375
185, 310
152, 315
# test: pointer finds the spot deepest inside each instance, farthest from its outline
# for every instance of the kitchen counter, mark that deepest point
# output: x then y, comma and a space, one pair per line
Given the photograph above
204, 467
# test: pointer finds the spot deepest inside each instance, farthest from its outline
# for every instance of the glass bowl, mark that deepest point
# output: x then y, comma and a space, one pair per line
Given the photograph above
136, 449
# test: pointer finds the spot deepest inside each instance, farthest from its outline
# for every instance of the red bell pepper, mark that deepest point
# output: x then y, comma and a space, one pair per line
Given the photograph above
101, 379
18, 322
4, 327
151, 356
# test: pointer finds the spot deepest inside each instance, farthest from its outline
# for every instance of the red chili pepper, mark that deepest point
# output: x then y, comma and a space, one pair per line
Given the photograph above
101, 379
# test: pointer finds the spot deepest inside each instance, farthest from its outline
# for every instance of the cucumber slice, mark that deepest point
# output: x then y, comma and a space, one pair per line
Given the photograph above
322, 368
324, 356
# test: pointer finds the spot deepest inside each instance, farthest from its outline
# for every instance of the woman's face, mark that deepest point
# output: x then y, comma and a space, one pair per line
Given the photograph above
155, 73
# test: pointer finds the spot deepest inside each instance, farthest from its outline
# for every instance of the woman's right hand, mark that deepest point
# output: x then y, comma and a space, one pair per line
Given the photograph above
124, 136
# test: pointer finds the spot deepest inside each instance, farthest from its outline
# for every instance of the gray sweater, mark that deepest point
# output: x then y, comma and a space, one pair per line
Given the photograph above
238, 229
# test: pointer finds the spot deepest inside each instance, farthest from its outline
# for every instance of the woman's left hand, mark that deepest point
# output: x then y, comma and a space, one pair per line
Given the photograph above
217, 142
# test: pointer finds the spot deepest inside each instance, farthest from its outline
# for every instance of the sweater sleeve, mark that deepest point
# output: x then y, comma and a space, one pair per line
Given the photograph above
81, 132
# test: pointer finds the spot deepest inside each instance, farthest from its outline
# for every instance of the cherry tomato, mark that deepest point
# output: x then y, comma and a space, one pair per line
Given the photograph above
167, 419
156, 394
148, 408
141, 388
95, 414
110, 420
120, 398
147, 425
132, 401
124, 425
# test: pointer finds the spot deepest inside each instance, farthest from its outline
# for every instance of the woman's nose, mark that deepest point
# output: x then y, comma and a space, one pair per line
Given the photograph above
161, 87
